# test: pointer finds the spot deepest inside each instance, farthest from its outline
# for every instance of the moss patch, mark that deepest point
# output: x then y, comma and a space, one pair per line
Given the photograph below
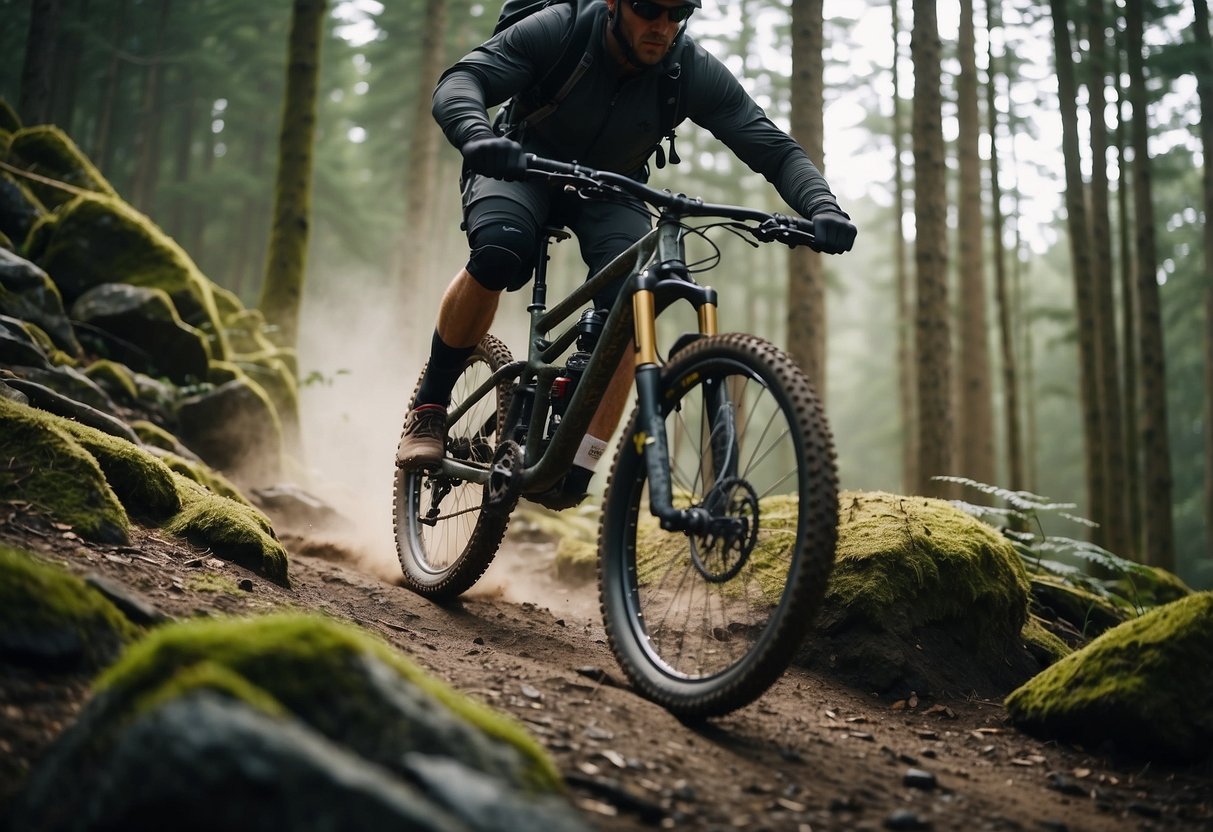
211, 582
305, 664
49, 616
48, 467
230, 529
1146, 686
143, 483
100, 239
48, 151
115, 379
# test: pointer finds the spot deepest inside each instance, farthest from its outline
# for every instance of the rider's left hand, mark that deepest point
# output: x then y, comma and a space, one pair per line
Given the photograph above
834, 231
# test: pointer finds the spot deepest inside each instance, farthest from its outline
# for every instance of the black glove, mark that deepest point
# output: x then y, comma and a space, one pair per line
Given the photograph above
834, 231
497, 157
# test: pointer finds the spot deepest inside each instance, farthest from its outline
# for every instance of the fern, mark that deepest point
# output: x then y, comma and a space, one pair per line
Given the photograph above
1048, 554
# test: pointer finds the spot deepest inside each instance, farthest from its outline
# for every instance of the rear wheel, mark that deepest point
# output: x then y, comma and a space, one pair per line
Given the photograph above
444, 536
704, 623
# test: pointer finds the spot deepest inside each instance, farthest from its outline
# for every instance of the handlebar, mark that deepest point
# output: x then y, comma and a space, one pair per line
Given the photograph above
779, 228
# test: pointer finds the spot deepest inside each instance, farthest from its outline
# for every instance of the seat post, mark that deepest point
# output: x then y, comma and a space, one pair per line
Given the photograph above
539, 289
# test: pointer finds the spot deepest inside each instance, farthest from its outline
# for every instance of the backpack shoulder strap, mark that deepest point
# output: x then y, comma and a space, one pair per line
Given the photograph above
574, 60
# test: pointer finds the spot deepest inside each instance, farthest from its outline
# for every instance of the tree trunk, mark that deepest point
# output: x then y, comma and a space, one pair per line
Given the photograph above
1080, 256
147, 142
976, 435
423, 155
101, 144
1115, 528
933, 333
178, 216
806, 316
1204, 83
67, 69
1128, 318
1155, 444
1003, 301
905, 331
34, 98
282, 291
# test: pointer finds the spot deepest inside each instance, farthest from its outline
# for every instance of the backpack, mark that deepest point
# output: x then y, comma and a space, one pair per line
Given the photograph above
533, 106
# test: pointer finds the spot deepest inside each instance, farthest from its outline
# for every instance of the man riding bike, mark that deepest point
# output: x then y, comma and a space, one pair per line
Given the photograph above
609, 119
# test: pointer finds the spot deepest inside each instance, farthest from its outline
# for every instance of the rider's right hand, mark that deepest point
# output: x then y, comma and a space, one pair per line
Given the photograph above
496, 156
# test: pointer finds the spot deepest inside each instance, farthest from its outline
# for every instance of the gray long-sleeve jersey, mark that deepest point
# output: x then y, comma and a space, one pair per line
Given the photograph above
610, 120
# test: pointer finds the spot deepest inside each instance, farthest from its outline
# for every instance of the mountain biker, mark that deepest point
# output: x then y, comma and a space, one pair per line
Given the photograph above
609, 120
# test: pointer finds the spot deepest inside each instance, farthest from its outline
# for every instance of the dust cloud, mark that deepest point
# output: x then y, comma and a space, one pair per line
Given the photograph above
360, 351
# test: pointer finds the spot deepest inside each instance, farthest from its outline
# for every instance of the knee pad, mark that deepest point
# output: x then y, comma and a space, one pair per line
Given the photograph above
502, 256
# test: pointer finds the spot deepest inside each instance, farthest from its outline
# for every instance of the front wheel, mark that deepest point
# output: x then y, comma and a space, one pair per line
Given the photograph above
703, 623
445, 537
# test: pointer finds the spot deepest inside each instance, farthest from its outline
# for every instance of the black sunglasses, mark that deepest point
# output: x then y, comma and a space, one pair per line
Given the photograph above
651, 11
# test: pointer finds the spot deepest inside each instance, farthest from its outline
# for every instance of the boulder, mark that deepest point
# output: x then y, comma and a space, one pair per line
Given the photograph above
288, 721
71, 384
50, 620
47, 467
1145, 687
95, 239
235, 429
20, 210
27, 293
923, 597
48, 151
139, 327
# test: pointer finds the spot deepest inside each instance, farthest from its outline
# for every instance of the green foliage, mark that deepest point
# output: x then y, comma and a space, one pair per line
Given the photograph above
1132, 585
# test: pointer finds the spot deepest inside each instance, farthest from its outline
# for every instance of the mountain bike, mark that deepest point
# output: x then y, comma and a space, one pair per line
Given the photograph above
720, 516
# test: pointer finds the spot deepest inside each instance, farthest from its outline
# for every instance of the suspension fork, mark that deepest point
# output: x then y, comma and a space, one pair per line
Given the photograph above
650, 438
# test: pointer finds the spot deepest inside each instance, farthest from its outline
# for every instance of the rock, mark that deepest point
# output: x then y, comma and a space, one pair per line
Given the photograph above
51, 620
291, 507
136, 608
46, 399
287, 721
916, 778
27, 293
140, 327
235, 429
47, 467
1145, 685
17, 349
72, 384
48, 151
95, 239
205, 762
20, 210
905, 819
923, 597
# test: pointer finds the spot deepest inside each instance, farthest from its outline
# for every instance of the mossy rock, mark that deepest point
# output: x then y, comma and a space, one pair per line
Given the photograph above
10, 122
115, 379
1085, 612
6, 243
922, 597
199, 472
234, 428
145, 485
232, 530
20, 210
48, 151
51, 619
1150, 586
97, 239
1146, 686
317, 670
27, 293
49, 468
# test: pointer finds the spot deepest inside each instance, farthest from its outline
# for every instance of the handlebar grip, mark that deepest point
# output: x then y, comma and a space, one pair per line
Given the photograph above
542, 165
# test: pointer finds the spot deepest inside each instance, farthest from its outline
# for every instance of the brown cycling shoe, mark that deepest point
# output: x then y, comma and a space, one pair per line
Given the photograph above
424, 439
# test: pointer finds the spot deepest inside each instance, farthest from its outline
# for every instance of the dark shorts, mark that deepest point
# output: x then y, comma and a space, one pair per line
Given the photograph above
514, 214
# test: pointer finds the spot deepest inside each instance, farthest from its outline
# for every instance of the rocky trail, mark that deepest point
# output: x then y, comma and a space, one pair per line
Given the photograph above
812, 754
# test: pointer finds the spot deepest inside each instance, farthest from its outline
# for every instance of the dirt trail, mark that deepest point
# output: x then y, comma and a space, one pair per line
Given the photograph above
811, 754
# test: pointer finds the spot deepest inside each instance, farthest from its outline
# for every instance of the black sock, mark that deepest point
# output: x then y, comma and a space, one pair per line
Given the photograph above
577, 480
444, 367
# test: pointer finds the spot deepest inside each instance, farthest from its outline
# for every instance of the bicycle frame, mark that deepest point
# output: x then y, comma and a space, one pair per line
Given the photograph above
656, 277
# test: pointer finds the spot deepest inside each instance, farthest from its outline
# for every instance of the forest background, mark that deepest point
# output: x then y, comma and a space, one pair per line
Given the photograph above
1012, 314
